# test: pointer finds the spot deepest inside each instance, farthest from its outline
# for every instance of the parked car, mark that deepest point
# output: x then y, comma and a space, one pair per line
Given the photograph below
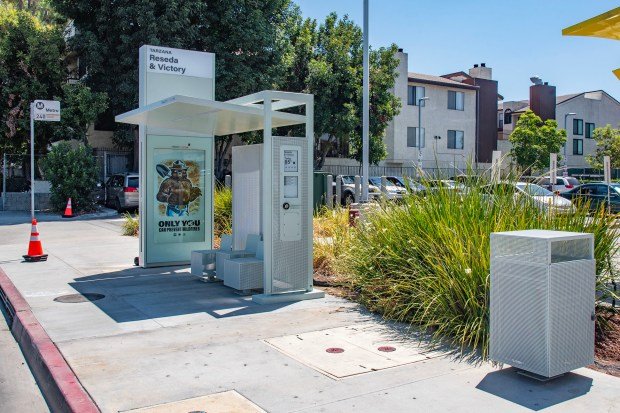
449, 184
562, 183
596, 194
122, 191
348, 191
394, 189
539, 196
409, 184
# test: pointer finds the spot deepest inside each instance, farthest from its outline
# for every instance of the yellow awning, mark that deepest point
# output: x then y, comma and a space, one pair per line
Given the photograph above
606, 25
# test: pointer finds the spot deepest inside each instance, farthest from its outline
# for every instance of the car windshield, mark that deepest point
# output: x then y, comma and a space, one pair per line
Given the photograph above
395, 181
348, 179
572, 181
534, 190
615, 187
375, 180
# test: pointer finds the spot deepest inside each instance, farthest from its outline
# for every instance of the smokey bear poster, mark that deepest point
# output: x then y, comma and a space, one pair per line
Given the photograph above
179, 199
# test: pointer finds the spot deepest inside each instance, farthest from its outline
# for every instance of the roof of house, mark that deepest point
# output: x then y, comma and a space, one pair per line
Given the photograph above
438, 80
564, 98
558, 100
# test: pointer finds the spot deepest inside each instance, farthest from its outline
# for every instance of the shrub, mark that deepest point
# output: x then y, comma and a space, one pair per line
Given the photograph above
73, 174
131, 224
426, 261
222, 211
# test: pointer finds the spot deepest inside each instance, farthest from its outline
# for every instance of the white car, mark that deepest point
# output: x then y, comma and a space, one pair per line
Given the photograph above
562, 183
542, 198
393, 188
348, 191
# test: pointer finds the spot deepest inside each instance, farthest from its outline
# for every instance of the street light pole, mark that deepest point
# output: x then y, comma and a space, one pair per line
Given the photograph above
365, 108
420, 101
565, 160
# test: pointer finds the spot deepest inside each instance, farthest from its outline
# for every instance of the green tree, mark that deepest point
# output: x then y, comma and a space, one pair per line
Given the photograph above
72, 174
80, 108
31, 67
327, 62
246, 36
533, 140
384, 106
607, 144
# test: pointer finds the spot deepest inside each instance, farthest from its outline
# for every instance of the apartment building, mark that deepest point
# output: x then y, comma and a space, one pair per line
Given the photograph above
591, 110
451, 122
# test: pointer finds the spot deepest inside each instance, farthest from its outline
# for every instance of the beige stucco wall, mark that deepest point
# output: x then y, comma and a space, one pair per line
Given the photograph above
437, 119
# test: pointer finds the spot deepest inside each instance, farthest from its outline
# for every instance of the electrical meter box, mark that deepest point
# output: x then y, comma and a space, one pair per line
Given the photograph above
542, 300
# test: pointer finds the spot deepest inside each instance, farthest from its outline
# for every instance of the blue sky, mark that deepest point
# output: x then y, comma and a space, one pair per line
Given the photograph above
517, 39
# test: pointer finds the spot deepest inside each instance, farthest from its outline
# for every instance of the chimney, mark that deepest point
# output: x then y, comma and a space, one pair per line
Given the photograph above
481, 72
542, 100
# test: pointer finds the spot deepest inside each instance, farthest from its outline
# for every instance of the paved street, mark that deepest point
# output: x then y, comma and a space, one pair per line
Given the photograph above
18, 390
161, 336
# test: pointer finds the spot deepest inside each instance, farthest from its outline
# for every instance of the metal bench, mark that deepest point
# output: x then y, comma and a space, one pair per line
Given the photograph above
244, 273
251, 245
203, 262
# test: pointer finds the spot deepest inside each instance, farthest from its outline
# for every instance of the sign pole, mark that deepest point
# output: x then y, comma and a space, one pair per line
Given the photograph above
31, 161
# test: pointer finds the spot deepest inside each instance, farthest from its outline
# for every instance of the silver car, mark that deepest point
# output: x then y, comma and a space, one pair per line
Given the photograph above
122, 191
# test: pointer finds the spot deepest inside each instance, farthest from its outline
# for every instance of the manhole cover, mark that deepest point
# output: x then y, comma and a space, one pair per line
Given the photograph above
197, 411
387, 349
79, 298
334, 350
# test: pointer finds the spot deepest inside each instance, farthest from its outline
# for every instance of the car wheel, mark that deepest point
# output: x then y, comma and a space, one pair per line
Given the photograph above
348, 199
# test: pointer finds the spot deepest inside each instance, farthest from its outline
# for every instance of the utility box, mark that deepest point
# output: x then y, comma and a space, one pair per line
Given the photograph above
542, 300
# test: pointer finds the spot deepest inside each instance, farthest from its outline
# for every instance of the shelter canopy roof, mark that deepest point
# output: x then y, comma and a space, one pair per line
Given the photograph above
606, 25
215, 118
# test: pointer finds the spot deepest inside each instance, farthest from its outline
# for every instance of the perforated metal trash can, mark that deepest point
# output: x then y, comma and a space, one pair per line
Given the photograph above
542, 300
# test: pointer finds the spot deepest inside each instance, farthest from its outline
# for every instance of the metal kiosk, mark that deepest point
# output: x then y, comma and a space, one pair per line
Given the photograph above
178, 121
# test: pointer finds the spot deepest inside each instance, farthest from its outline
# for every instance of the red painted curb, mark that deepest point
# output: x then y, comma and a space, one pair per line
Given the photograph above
59, 384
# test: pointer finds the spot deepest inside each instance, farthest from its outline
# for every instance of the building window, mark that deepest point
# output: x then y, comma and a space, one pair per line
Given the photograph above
500, 121
456, 139
577, 126
414, 93
456, 100
507, 117
577, 146
589, 130
412, 138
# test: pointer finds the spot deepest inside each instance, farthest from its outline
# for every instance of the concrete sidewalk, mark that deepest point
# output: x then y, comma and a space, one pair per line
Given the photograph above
160, 336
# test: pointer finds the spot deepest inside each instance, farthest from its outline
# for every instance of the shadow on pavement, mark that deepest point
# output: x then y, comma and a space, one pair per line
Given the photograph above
141, 294
533, 394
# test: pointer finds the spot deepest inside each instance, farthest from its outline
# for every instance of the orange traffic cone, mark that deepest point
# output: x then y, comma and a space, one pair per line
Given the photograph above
35, 249
68, 210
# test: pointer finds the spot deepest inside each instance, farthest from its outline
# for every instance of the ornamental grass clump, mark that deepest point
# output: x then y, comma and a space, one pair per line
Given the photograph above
426, 260
331, 237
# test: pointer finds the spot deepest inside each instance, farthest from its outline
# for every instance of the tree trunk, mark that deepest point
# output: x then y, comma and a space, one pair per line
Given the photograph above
221, 149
